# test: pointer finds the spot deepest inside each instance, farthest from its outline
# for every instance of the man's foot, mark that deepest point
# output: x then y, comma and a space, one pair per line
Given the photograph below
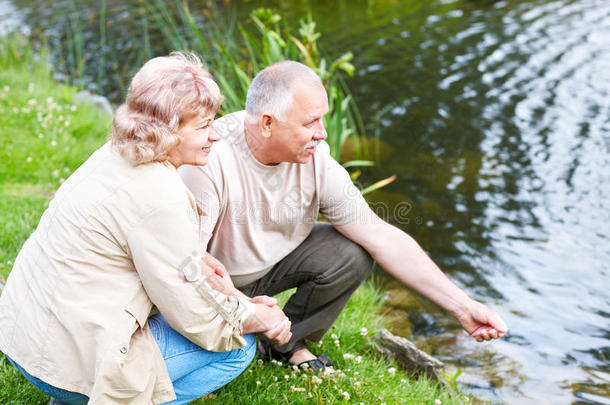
299, 356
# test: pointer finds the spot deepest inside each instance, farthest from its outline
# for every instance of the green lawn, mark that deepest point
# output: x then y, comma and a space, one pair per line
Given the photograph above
46, 136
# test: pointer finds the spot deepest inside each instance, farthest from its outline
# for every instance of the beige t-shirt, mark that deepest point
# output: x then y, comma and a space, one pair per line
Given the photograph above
258, 214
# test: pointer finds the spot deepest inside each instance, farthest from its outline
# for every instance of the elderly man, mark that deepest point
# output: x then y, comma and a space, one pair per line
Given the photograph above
265, 184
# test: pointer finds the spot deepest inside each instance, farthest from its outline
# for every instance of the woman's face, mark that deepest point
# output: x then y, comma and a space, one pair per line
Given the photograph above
197, 135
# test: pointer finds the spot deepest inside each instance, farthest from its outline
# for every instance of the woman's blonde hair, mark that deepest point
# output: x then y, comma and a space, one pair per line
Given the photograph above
165, 92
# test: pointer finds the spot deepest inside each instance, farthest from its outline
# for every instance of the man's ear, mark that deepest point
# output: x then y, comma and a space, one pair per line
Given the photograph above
266, 121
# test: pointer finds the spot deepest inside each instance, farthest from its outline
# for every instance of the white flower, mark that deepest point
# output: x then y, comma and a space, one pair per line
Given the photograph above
55, 173
392, 371
29, 159
274, 378
286, 377
31, 102
337, 342
346, 395
333, 336
356, 374
53, 142
402, 380
357, 384
437, 401
259, 361
258, 383
309, 396
316, 380
73, 108
50, 100
364, 331
358, 359
348, 356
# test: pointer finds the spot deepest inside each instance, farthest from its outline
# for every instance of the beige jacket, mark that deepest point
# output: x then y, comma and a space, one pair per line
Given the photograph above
115, 241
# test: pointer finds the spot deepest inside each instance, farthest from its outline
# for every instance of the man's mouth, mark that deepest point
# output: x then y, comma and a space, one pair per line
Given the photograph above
312, 144
206, 149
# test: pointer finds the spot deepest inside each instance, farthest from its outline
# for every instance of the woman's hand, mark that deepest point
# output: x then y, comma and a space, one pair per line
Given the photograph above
271, 322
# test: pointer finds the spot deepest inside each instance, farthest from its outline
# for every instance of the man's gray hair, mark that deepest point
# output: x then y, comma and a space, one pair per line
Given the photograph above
271, 91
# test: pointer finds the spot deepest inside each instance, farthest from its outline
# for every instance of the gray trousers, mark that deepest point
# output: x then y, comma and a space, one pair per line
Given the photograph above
326, 269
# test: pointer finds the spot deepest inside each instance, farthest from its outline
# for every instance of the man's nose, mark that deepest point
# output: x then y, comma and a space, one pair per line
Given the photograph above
320, 133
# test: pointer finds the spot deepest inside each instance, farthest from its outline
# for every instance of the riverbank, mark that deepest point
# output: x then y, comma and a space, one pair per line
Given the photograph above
46, 135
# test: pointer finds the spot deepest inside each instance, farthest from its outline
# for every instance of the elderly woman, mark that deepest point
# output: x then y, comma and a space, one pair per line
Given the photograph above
119, 242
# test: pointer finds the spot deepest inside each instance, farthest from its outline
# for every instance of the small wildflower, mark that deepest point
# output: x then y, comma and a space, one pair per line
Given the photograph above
50, 100
356, 374
316, 380
67, 123
392, 371
348, 356
402, 380
437, 401
29, 159
296, 389
31, 102
61, 118
346, 395
73, 108
258, 383
55, 173
357, 384
249, 371
304, 366
358, 359
333, 336
16, 110
286, 377
53, 142
274, 378
309, 396
337, 343
364, 331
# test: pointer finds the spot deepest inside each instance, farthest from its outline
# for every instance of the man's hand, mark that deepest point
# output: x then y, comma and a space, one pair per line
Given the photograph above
481, 322
271, 322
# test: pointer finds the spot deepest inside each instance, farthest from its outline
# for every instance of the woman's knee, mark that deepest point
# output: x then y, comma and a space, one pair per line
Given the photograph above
250, 349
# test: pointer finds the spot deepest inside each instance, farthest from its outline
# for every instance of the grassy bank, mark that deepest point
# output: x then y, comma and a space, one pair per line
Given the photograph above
46, 136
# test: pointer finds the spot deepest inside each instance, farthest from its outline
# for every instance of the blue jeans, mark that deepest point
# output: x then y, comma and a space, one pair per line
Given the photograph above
194, 371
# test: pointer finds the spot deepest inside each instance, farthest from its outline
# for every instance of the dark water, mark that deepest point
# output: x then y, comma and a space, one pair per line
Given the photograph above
496, 118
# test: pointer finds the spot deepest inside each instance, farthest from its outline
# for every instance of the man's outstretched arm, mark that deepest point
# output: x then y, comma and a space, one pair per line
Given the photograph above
401, 256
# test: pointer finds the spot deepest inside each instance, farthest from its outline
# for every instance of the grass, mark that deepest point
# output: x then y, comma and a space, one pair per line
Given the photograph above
46, 136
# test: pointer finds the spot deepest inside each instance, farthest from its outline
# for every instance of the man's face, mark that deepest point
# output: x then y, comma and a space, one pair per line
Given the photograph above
295, 138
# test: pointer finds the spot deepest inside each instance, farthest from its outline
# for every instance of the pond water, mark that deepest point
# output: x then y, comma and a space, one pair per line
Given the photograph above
495, 116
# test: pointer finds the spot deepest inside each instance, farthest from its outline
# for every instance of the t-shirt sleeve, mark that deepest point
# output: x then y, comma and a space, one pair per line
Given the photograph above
207, 196
340, 200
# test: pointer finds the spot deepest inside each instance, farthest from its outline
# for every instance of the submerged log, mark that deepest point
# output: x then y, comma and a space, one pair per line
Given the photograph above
408, 356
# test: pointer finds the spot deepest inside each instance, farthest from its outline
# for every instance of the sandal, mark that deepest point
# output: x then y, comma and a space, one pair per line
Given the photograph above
315, 365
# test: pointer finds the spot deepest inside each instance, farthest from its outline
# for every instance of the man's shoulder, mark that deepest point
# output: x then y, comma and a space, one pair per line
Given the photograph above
230, 125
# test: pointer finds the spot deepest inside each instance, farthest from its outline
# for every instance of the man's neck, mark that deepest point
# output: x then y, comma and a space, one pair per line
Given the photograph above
257, 144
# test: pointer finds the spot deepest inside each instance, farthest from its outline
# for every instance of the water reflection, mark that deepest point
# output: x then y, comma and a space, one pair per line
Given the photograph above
496, 118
